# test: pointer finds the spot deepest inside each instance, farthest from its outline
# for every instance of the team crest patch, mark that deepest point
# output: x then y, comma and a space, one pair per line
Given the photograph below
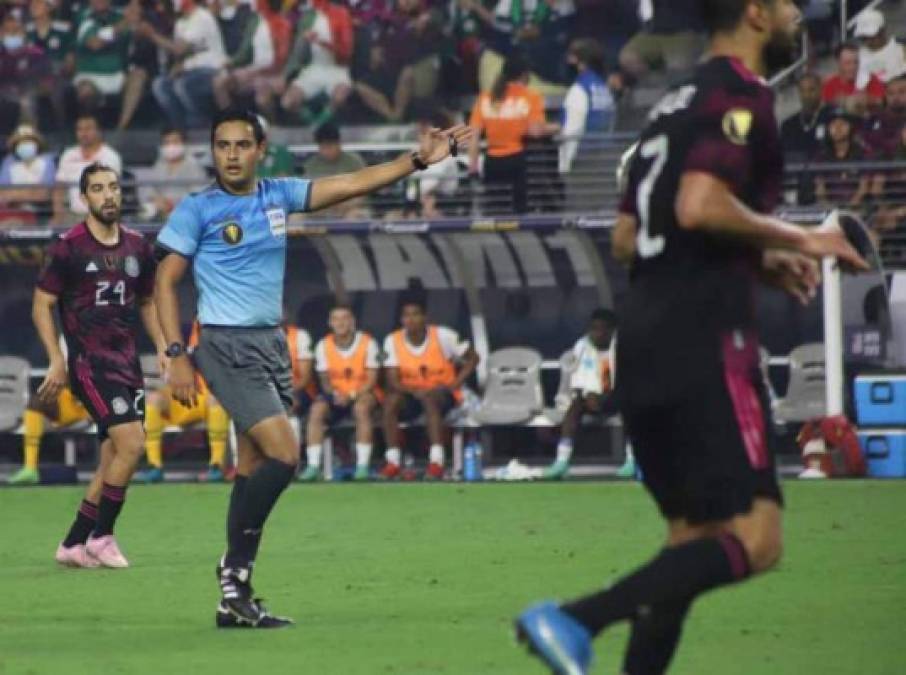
277, 220
232, 233
120, 407
737, 124
132, 268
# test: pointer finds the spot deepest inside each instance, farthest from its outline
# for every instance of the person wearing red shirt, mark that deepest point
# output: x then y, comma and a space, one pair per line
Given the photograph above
842, 86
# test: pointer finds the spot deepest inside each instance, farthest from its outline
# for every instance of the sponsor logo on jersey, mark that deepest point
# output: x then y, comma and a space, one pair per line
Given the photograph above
737, 124
91, 267
132, 268
232, 233
119, 405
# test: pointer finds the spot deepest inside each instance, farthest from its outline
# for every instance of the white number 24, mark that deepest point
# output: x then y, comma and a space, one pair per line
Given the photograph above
118, 290
656, 148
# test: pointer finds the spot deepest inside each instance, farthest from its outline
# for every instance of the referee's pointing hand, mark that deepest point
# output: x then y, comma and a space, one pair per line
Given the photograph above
182, 380
439, 144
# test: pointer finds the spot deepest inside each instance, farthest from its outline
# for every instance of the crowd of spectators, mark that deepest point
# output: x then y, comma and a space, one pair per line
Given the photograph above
169, 64
852, 125
143, 62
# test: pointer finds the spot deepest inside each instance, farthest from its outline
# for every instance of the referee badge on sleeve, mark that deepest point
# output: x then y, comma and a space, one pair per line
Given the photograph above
277, 220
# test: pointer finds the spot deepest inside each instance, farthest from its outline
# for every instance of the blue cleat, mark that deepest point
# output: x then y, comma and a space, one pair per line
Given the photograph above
556, 638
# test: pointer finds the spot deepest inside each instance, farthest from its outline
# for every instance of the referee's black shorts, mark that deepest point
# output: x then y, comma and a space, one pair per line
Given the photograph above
704, 452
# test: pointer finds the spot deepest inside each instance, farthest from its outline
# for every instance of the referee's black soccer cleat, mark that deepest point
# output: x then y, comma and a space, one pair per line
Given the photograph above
227, 618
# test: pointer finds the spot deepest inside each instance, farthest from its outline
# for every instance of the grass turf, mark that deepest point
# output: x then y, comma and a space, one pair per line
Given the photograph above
390, 579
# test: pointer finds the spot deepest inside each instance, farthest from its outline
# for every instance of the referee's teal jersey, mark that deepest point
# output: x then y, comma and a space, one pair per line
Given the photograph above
238, 247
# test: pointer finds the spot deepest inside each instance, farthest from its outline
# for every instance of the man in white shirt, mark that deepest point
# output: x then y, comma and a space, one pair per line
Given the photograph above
591, 385
89, 148
174, 175
185, 94
347, 364
426, 366
880, 54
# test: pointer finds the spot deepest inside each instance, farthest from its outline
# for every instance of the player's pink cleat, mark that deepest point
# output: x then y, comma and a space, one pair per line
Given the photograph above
106, 551
75, 556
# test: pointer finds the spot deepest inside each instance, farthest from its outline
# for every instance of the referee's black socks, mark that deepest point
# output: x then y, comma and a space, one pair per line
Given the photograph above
250, 504
678, 574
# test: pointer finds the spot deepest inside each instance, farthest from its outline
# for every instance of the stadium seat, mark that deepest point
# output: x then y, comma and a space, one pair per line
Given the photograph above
805, 396
13, 391
513, 393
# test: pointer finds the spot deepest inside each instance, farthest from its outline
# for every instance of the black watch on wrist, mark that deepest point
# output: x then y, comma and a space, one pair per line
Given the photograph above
418, 162
175, 349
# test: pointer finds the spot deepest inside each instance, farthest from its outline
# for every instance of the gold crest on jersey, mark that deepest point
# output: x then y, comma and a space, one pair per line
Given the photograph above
232, 233
737, 124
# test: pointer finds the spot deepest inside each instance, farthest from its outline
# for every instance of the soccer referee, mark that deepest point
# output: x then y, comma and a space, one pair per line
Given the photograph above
233, 234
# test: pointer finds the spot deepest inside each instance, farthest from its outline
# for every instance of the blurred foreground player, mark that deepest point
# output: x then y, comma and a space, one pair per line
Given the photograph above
101, 275
693, 225
233, 235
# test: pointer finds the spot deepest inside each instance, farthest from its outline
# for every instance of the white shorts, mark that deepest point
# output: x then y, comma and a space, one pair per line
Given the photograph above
321, 79
109, 85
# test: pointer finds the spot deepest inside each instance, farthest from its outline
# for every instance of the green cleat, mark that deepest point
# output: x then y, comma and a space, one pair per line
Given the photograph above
361, 473
557, 470
628, 468
24, 476
311, 474
153, 474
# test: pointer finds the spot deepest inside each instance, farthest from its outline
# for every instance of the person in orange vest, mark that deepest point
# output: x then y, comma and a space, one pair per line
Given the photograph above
161, 409
426, 366
591, 386
347, 364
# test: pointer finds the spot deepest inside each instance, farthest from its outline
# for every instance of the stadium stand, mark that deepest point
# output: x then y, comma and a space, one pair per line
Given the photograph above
357, 81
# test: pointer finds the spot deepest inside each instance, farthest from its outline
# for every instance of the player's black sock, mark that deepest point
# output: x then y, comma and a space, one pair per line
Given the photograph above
262, 490
678, 573
83, 524
112, 498
655, 635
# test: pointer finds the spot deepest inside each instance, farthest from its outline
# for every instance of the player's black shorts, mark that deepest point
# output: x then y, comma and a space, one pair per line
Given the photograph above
413, 408
707, 454
108, 403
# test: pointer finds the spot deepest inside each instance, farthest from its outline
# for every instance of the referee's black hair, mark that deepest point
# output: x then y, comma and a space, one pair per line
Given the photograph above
89, 171
721, 16
239, 115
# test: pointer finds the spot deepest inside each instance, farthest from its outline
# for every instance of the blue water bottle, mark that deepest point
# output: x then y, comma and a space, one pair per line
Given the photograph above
471, 469
468, 462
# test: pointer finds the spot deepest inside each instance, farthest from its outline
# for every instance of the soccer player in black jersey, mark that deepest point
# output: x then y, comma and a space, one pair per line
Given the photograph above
695, 229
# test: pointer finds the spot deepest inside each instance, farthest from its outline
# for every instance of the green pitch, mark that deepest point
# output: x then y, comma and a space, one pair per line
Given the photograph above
391, 579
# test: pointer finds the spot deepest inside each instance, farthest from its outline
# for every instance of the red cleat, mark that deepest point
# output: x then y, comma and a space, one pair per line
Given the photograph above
434, 471
409, 475
390, 471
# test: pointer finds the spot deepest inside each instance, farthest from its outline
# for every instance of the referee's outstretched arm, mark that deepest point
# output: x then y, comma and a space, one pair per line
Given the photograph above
434, 147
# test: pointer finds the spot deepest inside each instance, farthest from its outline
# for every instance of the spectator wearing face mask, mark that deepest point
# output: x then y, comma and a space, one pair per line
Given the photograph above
880, 55
27, 173
174, 175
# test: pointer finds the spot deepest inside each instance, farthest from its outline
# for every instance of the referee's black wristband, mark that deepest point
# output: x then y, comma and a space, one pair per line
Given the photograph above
417, 161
